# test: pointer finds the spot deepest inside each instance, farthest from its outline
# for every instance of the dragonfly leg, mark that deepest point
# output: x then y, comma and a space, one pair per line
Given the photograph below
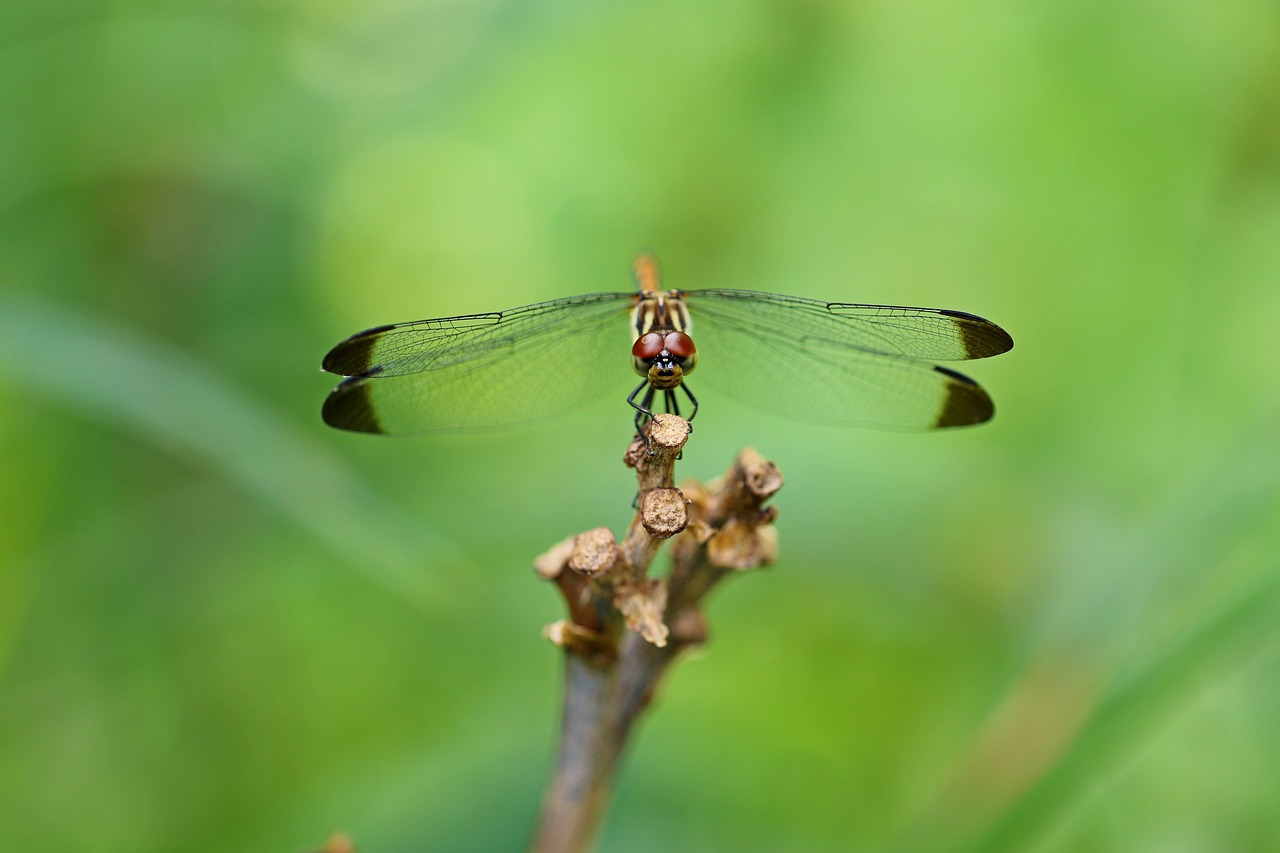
642, 408
692, 399
643, 411
672, 404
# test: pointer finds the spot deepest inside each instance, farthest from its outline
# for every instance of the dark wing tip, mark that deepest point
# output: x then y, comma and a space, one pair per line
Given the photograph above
982, 338
348, 407
966, 403
353, 356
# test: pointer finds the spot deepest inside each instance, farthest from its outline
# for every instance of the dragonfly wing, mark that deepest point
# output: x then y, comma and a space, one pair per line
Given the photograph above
481, 371
434, 344
926, 333
842, 363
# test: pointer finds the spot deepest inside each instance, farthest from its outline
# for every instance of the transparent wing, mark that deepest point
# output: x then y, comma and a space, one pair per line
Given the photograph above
482, 371
896, 330
842, 363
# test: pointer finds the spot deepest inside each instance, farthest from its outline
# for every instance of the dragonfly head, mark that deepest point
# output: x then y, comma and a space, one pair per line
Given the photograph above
664, 358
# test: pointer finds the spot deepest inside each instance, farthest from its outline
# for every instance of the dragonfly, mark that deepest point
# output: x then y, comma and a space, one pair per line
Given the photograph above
838, 363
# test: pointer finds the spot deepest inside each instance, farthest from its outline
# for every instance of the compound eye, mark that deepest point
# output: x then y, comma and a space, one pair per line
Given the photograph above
679, 344
647, 346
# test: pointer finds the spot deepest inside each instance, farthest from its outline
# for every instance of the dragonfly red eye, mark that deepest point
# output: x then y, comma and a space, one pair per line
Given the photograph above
679, 344
647, 346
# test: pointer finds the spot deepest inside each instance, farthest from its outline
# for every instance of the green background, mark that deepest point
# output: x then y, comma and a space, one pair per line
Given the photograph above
224, 626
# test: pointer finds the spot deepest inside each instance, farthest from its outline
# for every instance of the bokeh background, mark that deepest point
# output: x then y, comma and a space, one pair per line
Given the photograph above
224, 626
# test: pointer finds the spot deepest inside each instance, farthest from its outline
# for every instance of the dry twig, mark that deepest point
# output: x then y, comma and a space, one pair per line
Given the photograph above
625, 628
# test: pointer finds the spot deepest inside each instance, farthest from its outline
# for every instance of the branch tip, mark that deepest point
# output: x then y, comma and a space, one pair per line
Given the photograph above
594, 552
551, 562
668, 432
753, 478
654, 465
664, 512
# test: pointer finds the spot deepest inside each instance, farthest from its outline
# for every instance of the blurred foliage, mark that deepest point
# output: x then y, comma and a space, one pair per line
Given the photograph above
226, 627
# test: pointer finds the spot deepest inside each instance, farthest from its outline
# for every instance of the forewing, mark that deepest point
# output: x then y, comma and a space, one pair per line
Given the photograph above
441, 343
482, 371
925, 333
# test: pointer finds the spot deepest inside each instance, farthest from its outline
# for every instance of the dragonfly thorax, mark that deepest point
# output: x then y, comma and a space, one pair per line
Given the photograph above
664, 358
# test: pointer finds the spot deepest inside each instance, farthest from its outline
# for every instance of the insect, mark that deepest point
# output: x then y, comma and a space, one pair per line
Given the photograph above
820, 362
